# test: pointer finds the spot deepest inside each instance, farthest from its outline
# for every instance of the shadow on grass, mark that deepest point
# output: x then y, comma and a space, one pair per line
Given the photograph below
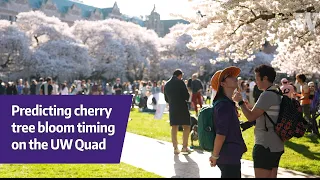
304, 150
305, 172
314, 139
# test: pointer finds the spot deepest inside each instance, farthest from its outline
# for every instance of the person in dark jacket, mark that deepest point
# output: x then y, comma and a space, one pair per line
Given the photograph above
12, 89
33, 87
176, 94
2, 88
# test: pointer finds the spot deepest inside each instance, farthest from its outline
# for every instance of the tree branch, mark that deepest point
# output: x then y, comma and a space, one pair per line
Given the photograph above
251, 10
252, 20
36, 38
267, 17
85, 41
7, 62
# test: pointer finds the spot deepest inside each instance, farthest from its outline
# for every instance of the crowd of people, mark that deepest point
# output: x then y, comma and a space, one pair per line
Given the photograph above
255, 99
78, 87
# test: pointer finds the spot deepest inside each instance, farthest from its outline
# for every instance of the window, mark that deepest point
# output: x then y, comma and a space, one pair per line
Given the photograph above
4, 17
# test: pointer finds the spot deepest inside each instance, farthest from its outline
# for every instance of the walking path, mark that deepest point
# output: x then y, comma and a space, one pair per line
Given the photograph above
157, 156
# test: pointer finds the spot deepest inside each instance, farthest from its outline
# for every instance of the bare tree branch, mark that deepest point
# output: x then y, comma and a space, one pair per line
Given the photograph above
37, 40
251, 10
7, 62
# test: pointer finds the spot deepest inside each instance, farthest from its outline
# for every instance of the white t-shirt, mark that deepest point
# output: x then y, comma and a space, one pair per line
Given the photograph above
269, 102
64, 91
55, 89
251, 85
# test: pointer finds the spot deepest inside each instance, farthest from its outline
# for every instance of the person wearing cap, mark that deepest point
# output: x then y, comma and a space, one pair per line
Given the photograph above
268, 147
286, 88
177, 95
229, 145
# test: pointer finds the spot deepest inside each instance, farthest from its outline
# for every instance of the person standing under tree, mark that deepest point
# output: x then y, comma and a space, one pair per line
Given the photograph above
176, 94
268, 147
46, 88
117, 87
196, 87
229, 145
304, 96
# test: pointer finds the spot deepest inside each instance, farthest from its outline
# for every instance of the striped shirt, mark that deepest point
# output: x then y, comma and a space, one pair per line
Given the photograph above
269, 102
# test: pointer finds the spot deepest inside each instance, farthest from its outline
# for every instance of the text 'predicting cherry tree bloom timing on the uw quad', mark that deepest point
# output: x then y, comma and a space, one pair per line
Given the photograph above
63, 125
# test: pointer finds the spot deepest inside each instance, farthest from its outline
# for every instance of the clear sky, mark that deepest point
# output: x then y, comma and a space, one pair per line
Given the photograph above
144, 7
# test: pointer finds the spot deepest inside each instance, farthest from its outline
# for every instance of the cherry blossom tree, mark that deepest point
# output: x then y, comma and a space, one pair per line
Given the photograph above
304, 59
14, 48
62, 59
41, 28
237, 29
174, 46
168, 66
141, 47
104, 46
247, 67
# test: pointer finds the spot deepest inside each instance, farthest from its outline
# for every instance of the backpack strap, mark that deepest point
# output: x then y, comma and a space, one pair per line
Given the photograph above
279, 92
265, 122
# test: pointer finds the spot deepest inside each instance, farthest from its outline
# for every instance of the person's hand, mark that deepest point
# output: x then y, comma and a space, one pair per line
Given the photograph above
213, 162
249, 106
237, 97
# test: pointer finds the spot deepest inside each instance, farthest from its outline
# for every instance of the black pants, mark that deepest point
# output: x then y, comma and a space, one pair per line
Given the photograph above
230, 170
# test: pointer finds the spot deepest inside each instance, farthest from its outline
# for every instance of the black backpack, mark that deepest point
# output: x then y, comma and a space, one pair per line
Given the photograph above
290, 122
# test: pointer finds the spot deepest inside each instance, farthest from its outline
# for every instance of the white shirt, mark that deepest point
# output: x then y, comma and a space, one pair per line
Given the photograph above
251, 85
55, 89
64, 91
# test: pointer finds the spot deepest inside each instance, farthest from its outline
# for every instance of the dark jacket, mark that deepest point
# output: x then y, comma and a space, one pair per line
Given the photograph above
33, 89
176, 94
2, 90
196, 85
12, 90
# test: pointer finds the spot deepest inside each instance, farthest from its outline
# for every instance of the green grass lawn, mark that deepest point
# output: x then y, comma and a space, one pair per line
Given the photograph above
121, 170
301, 154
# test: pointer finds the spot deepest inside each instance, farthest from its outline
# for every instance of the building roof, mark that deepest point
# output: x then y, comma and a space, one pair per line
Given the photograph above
134, 19
64, 5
